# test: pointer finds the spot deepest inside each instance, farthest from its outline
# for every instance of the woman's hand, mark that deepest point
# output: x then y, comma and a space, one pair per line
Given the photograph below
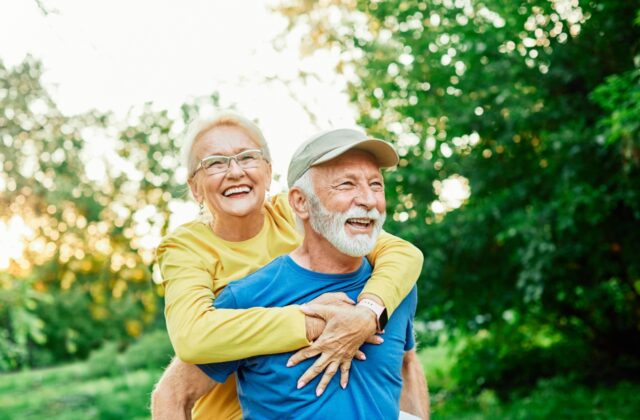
316, 325
347, 328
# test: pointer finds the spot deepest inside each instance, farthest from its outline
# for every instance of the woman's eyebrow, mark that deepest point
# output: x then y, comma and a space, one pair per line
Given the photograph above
234, 152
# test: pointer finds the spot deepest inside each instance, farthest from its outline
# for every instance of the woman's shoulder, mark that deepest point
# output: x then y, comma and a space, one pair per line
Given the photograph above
278, 205
187, 230
187, 235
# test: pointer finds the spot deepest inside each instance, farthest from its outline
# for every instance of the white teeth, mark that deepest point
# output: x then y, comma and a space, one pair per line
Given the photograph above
236, 190
363, 221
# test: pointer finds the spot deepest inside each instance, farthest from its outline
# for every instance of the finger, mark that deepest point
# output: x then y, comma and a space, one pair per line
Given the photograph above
301, 355
360, 355
314, 309
329, 373
314, 370
374, 339
345, 367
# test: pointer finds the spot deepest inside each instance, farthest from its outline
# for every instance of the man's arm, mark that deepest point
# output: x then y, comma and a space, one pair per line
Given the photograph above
414, 398
180, 386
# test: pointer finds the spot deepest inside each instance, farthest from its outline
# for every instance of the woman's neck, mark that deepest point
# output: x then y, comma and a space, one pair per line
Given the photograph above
236, 229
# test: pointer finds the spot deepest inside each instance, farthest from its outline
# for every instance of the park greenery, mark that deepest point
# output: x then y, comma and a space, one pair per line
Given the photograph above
530, 292
536, 106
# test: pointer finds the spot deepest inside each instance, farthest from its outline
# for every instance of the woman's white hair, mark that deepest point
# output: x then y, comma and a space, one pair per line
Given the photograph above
223, 118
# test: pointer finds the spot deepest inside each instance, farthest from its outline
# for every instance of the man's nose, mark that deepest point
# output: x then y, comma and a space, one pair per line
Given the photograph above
366, 197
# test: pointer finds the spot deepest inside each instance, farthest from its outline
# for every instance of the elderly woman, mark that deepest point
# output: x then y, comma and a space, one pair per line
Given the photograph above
229, 171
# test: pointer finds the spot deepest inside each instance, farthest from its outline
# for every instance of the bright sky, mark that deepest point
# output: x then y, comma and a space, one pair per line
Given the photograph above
117, 54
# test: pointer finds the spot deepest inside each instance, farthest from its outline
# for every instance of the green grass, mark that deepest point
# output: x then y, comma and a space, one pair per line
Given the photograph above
552, 399
91, 390
69, 392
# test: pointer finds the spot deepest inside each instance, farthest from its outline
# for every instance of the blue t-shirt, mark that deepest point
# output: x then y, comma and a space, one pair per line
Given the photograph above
267, 388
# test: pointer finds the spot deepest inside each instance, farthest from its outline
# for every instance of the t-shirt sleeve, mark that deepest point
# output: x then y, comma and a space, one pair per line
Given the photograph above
219, 372
396, 267
410, 341
202, 333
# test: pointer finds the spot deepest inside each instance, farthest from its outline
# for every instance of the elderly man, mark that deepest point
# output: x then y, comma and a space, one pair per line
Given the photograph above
337, 193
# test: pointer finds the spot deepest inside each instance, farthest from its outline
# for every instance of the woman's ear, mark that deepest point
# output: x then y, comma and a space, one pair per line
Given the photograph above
299, 203
195, 190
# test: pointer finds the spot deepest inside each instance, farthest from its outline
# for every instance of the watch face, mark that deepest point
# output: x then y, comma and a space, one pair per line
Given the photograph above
383, 319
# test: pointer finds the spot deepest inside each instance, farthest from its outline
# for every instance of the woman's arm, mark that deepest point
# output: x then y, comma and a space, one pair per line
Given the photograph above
396, 267
200, 333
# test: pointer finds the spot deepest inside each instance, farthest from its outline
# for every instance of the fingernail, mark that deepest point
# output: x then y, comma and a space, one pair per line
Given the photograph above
301, 384
289, 364
344, 386
380, 340
319, 392
363, 357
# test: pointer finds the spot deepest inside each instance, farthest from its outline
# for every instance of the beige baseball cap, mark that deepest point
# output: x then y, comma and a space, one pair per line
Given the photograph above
330, 144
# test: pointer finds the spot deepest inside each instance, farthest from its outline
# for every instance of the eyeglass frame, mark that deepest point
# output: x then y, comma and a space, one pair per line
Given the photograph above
228, 160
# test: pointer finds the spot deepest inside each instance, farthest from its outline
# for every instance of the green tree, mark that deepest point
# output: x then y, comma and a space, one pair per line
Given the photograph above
534, 104
84, 219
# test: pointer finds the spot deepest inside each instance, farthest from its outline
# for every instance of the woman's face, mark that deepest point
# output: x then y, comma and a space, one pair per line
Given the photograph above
236, 193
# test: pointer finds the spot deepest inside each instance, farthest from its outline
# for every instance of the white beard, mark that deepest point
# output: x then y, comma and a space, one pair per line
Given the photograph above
331, 225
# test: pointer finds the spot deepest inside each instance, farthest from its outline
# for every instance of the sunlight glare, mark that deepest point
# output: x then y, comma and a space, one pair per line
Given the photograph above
12, 240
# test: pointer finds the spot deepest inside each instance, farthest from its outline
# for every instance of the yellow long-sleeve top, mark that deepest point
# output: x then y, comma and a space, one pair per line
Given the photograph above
196, 265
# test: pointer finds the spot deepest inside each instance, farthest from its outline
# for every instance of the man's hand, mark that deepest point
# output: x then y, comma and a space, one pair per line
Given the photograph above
347, 329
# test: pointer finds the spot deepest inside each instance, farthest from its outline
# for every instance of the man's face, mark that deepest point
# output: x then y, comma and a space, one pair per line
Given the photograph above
349, 206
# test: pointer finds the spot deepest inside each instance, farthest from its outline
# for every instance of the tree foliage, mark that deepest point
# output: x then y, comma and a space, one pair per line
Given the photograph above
83, 202
534, 104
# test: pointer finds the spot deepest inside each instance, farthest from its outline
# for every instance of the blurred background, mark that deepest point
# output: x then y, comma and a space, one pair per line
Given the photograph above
518, 126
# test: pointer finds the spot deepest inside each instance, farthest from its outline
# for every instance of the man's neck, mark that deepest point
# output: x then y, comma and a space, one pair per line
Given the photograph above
319, 255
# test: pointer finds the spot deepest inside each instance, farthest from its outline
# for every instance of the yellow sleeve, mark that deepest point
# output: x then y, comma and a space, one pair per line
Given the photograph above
396, 267
200, 333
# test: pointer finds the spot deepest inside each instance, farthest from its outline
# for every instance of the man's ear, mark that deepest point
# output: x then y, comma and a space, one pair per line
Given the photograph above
299, 203
195, 191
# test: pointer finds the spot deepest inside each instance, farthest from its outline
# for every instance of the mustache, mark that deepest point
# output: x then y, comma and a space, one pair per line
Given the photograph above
359, 212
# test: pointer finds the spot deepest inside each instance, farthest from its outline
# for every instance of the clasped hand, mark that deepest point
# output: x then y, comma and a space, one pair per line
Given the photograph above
339, 328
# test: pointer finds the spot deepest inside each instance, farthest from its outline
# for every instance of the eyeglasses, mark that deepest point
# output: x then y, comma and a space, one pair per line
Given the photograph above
217, 164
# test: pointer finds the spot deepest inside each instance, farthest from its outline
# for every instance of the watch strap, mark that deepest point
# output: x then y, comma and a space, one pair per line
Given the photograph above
379, 310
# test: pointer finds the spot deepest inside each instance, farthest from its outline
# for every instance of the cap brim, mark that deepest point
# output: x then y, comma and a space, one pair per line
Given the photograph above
384, 153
